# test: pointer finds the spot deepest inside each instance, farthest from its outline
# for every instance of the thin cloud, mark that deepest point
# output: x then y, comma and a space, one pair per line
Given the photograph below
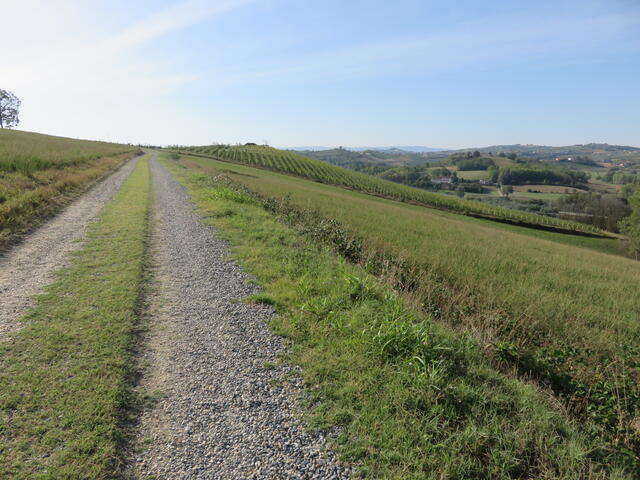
88, 65
508, 38
174, 18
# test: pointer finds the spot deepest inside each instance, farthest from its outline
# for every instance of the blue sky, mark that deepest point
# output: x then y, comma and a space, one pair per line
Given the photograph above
434, 73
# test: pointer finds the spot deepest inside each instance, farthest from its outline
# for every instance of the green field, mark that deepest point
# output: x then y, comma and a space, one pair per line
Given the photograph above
291, 163
41, 173
473, 174
540, 304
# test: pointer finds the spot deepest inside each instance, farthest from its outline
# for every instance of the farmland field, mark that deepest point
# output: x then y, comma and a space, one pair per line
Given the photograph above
540, 304
546, 189
287, 162
473, 174
40, 173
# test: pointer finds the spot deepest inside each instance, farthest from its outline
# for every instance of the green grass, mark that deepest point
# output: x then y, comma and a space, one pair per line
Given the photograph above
415, 399
39, 174
294, 164
27, 152
64, 377
564, 315
473, 174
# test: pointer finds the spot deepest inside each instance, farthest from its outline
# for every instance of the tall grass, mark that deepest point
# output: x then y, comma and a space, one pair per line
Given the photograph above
39, 174
415, 399
564, 316
27, 152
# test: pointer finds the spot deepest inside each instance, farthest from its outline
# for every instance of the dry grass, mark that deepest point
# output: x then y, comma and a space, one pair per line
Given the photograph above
39, 174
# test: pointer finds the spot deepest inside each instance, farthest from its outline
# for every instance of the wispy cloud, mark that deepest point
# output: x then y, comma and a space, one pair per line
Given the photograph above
513, 38
176, 17
77, 78
97, 66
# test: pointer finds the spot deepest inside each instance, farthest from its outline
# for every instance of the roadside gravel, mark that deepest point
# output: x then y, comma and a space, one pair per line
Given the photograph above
30, 266
228, 408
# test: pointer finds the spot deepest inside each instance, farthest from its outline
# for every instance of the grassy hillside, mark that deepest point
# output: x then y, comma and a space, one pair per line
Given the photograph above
40, 173
415, 400
287, 162
539, 306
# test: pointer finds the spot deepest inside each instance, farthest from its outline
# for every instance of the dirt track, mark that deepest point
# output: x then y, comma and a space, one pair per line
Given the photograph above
31, 265
228, 407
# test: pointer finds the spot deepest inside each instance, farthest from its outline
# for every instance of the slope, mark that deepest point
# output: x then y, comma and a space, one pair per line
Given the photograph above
563, 315
291, 163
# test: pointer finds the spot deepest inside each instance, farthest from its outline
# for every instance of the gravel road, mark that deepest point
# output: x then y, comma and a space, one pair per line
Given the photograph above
30, 266
224, 413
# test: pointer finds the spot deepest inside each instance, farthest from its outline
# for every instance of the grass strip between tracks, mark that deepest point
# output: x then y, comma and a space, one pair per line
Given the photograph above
413, 398
65, 376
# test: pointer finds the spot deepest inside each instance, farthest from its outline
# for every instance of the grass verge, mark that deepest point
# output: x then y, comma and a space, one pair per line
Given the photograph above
26, 200
415, 399
64, 375
563, 315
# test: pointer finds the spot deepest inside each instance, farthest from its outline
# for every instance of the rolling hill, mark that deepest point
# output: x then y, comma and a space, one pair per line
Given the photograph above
292, 163
538, 303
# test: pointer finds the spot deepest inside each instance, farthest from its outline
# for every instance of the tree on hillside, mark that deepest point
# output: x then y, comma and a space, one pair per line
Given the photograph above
9, 109
630, 226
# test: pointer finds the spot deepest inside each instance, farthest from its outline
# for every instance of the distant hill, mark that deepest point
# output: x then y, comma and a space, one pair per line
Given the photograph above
375, 159
392, 149
356, 160
599, 152
414, 149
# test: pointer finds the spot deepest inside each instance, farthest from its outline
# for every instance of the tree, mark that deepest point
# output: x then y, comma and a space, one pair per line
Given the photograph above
630, 225
460, 191
9, 109
506, 190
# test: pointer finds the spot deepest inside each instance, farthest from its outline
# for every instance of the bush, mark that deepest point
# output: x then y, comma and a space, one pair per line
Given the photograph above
630, 225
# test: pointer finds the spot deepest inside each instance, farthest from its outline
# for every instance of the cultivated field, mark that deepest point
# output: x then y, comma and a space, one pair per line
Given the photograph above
41, 173
539, 304
291, 163
546, 189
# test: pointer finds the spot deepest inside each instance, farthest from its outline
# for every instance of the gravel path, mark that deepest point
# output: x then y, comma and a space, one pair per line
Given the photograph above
225, 413
30, 266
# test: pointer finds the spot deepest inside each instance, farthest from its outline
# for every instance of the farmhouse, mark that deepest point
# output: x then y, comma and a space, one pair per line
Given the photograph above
441, 180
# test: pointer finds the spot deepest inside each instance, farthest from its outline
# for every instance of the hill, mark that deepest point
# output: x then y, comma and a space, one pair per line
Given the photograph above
537, 304
41, 173
292, 163
599, 152
596, 152
392, 149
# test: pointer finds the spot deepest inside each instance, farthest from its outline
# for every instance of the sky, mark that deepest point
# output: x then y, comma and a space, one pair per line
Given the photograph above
335, 72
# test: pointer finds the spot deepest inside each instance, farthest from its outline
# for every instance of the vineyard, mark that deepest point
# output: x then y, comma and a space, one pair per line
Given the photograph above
294, 164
